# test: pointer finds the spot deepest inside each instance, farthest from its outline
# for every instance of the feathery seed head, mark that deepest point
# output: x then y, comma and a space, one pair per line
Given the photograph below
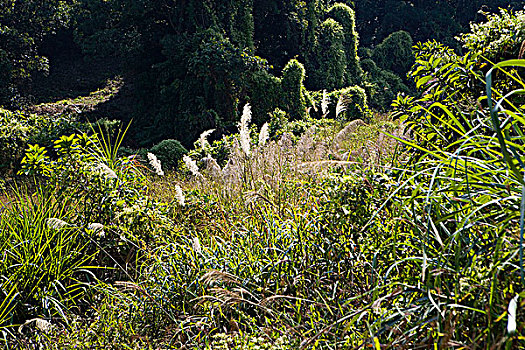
511, 323
341, 106
56, 224
212, 167
191, 165
106, 171
196, 245
325, 103
179, 195
244, 129
246, 117
264, 135
155, 163
203, 139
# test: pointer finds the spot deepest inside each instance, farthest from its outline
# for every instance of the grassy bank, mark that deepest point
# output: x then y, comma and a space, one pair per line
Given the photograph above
324, 234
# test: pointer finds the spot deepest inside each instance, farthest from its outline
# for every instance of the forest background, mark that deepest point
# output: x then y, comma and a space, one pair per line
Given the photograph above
190, 66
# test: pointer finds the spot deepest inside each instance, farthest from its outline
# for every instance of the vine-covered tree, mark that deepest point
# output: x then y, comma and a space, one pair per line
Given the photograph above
345, 16
198, 62
194, 62
395, 53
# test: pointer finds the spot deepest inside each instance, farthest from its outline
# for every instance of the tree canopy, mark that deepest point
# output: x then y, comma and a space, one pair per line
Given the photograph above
194, 63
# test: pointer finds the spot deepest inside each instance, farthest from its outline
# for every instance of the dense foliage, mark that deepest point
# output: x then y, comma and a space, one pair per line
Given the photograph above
316, 222
19, 129
197, 62
423, 19
23, 27
191, 65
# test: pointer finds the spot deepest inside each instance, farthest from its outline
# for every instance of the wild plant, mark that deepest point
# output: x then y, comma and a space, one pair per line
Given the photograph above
88, 219
258, 167
19, 129
262, 245
43, 255
106, 186
463, 203
448, 266
263, 235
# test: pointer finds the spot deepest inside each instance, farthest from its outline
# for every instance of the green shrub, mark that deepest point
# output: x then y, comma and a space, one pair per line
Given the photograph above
169, 152
19, 129
441, 76
354, 98
218, 150
277, 122
439, 73
16, 130
395, 53
500, 37
109, 188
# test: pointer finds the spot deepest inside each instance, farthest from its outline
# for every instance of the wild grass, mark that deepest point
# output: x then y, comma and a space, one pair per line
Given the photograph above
282, 172
266, 241
464, 204
42, 256
289, 246
436, 261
